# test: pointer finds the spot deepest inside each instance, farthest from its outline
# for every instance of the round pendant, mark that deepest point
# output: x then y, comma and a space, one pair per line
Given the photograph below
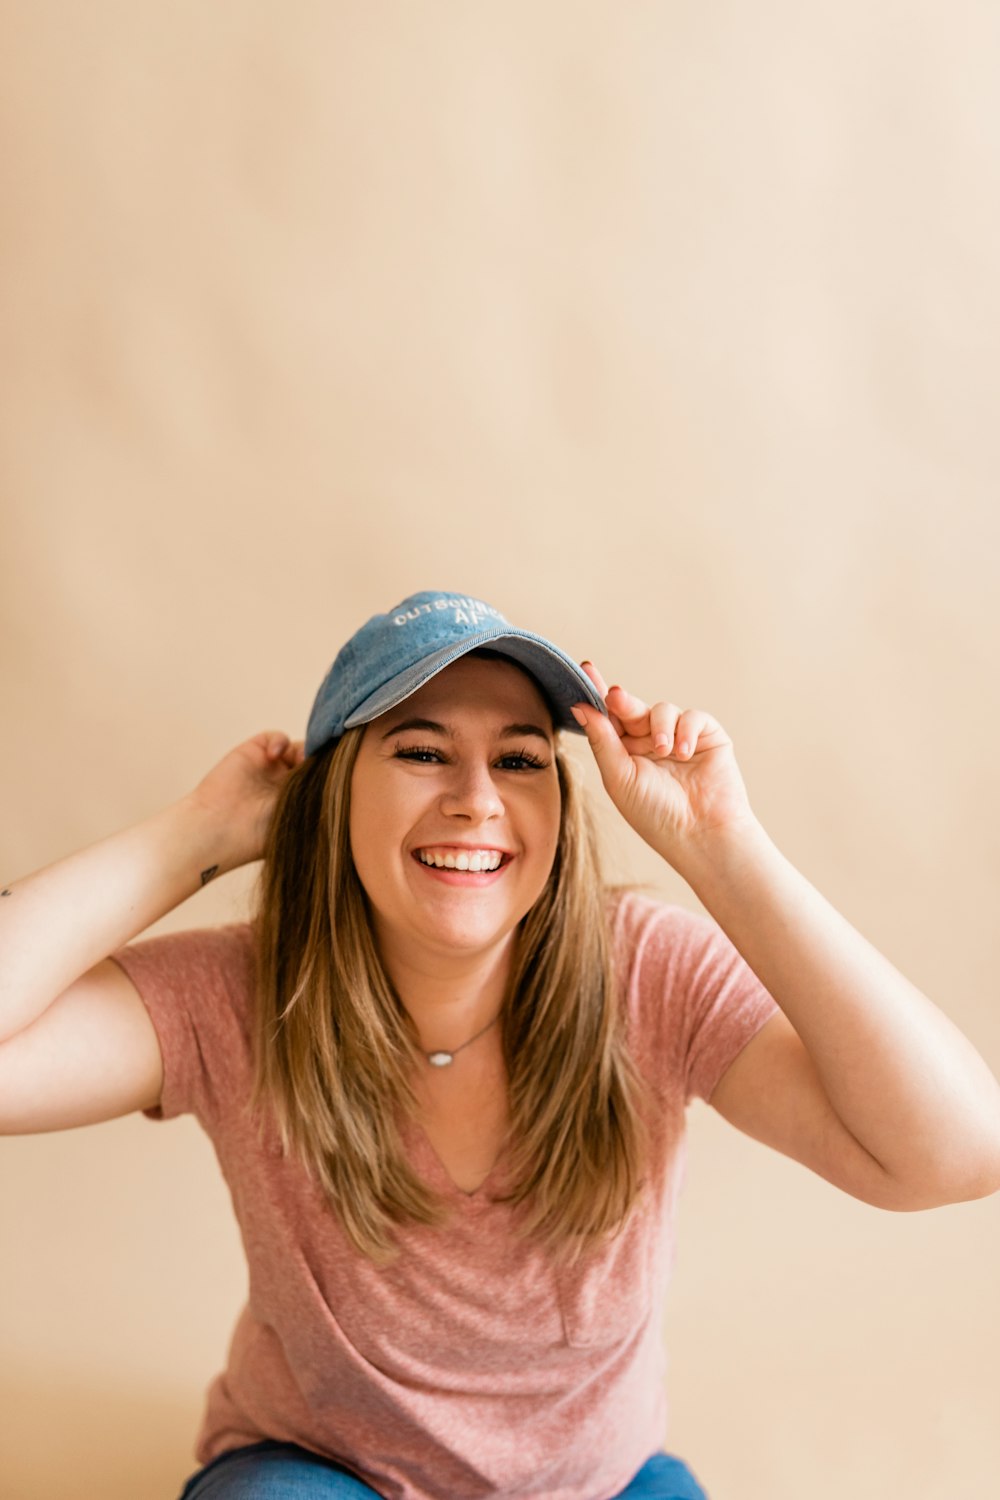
439, 1059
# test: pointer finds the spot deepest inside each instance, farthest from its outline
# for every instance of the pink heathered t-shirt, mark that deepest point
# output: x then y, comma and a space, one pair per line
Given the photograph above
472, 1365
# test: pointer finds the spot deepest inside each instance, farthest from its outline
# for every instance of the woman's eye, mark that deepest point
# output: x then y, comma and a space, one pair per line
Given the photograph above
531, 761
414, 754
427, 754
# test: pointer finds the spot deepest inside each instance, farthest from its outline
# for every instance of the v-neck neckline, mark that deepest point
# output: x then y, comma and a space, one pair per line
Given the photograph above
424, 1148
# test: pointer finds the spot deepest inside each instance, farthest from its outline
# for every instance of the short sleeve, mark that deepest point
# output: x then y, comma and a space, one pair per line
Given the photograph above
695, 999
196, 987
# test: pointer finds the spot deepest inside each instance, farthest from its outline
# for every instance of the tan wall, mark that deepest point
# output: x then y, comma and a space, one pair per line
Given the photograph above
673, 331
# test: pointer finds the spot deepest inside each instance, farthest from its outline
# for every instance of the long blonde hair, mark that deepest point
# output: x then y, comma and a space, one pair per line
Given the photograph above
335, 1050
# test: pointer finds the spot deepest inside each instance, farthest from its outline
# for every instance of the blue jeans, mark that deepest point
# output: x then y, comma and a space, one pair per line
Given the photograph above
284, 1471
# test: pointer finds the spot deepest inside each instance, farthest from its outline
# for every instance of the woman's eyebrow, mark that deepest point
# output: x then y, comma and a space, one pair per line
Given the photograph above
436, 728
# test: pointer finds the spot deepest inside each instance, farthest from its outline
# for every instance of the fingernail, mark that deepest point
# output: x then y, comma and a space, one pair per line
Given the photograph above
580, 718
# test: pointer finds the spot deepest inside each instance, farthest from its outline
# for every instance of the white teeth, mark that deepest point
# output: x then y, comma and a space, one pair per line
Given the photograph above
472, 859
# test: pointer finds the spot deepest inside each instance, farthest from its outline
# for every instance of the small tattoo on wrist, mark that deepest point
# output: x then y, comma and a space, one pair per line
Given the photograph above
206, 875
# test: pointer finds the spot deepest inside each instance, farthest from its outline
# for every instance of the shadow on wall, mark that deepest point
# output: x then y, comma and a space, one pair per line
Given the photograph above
69, 1438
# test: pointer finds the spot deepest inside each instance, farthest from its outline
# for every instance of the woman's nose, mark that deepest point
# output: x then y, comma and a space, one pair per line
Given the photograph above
472, 792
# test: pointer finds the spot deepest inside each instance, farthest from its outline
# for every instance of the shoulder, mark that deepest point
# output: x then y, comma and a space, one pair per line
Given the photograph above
643, 925
197, 986
229, 940
671, 962
655, 945
193, 958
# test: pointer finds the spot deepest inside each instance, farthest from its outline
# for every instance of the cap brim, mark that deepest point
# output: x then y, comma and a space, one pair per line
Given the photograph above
562, 680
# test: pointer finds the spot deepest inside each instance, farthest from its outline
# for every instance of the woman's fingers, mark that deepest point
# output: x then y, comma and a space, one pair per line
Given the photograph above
663, 719
661, 730
602, 687
632, 707
277, 745
595, 677
633, 713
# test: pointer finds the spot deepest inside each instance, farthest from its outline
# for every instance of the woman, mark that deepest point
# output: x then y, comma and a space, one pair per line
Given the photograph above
445, 1070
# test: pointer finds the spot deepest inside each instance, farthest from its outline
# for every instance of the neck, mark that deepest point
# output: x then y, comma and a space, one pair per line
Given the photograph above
450, 997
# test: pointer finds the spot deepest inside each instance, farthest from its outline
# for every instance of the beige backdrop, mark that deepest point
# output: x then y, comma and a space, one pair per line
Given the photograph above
670, 329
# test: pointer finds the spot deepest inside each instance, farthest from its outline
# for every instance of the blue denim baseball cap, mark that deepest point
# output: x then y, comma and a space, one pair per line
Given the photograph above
396, 653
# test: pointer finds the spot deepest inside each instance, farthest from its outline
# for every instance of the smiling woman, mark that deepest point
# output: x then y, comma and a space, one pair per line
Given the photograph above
445, 1068
405, 961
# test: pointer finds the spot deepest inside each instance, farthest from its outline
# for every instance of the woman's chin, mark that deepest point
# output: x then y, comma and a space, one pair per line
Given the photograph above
464, 935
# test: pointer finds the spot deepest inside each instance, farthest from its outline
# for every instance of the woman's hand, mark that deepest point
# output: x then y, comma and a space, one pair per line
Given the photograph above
241, 791
671, 773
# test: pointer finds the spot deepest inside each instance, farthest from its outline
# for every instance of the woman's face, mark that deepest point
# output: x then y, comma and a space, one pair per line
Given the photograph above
479, 774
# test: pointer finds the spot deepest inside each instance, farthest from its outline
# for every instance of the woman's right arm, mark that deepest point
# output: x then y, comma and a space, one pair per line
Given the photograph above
76, 1042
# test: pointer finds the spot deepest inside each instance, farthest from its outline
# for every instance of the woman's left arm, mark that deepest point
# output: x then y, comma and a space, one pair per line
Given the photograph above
902, 1080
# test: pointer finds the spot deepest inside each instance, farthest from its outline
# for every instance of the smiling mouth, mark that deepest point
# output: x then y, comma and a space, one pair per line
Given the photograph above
463, 862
